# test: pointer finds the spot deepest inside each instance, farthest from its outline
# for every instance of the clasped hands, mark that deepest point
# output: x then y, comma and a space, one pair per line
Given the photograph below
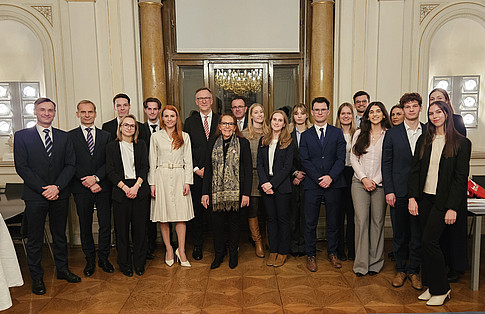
205, 200
90, 183
450, 215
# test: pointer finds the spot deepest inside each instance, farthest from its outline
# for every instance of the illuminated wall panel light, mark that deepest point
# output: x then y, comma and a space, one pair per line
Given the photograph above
5, 127
469, 118
469, 102
29, 91
5, 109
4, 91
470, 85
29, 108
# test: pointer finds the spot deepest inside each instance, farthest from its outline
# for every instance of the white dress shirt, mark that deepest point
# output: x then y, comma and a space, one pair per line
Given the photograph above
150, 128
317, 128
93, 132
41, 129
413, 135
369, 164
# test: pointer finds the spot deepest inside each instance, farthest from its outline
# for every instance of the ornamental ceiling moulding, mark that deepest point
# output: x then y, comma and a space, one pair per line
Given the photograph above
425, 9
45, 10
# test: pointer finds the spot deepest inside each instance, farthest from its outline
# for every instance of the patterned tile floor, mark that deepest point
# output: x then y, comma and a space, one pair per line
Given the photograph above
252, 287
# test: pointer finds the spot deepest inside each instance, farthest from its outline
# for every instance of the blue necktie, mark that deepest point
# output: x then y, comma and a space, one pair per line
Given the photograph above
48, 143
90, 141
322, 136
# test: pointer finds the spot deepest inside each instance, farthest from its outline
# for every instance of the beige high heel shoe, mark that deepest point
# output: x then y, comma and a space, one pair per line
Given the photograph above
438, 300
169, 262
425, 296
184, 264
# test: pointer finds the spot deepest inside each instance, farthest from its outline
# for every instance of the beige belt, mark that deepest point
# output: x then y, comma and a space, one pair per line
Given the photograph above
171, 166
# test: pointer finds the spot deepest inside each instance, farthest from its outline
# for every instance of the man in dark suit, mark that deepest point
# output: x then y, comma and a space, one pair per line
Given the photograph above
200, 127
152, 107
322, 152
239, 108
361, 101
90, 187
45, 160
397, 154
122, 107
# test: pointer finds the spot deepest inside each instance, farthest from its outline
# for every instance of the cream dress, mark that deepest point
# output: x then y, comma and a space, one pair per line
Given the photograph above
170, 169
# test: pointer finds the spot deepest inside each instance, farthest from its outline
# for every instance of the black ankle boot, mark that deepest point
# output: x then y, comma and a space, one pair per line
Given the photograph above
233, 259
217, 262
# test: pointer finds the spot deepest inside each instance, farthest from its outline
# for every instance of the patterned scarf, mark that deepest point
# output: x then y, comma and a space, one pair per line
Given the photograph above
225, 175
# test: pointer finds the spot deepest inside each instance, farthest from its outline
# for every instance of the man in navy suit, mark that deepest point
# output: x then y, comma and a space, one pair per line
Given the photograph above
397, 153
239, 108
45, 160
91, 187
322, 152
200, 126
361, 101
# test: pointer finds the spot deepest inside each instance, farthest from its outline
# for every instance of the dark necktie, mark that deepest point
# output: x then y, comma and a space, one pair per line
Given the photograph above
90, 141
322, 136
154, 128
48, 143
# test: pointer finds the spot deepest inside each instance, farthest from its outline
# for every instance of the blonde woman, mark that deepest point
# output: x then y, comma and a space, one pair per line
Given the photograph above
255, 129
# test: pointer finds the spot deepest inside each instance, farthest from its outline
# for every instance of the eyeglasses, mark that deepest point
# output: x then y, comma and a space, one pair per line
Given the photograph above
237, 107
227, 124
203, 98
319, 110
128, 126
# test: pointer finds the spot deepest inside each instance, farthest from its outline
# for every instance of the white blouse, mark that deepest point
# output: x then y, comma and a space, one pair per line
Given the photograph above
434, 165
369, 164
128, 159
271, 152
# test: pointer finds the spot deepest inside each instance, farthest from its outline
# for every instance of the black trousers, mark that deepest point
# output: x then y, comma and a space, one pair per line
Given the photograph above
277, 207
433, 223
219, 220
454, 242
134, 213
297, 219
85, 203
346, 236
406, 237
196, 224
35, 214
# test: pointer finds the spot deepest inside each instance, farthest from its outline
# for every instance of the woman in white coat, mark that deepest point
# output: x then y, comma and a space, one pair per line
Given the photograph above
170, 177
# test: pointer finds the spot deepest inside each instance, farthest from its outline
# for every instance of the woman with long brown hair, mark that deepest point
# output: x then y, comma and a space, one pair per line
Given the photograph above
253, 132
345, 120
275, 159
367, 190
227, 185
437, 189
170, 177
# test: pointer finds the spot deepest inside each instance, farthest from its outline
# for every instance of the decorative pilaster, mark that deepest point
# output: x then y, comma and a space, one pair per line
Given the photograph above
152, 50
321, 70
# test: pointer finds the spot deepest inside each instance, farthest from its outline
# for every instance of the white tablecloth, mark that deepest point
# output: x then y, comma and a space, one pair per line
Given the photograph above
10, 275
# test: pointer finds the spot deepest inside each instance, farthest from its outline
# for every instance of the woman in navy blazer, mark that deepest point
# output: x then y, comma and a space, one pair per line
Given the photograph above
275, 159
130, 194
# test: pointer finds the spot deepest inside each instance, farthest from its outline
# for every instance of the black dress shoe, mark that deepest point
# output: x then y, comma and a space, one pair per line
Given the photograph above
139, 270
342, 257
128, 272
351, 256
216, 263
233, 260
150, 256
89, 269
372, 273
359, 274
197, 253
38, 286
68, 276
106, 266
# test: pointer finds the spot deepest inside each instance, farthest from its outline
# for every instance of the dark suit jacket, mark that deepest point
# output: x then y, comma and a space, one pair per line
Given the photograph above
112, 127
282, 164
459, 124
116, 173
245, 168
452, 176
318, 160
194, 127
245, 124
397, 159
87, 165
37, 169
296, 154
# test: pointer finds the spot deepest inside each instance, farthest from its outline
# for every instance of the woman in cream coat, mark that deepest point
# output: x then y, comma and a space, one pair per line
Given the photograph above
170, 177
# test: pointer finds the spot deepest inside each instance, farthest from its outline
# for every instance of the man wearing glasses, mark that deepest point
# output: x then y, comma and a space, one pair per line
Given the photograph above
200, 127
322, 152
361, 101
238, 108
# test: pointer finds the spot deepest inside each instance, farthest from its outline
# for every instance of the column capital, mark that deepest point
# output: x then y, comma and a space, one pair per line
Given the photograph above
314, 2
150, 2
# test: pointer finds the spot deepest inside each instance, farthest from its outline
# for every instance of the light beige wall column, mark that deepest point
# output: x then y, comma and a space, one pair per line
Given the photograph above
321, 70
152, 53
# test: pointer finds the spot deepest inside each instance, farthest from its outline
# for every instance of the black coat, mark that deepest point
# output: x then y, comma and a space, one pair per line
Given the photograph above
87, 165
116, 173
282, 164
245, 169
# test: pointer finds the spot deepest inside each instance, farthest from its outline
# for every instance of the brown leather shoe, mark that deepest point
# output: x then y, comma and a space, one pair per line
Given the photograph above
271, 259
311, 264
415, 281
399, 279
280, 260
334, 261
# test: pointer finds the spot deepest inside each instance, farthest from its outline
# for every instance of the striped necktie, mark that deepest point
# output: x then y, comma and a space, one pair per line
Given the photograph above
206, 127
48, 143
90, 140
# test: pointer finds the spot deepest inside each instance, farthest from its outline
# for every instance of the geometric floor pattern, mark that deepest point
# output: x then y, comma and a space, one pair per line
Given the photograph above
252, 287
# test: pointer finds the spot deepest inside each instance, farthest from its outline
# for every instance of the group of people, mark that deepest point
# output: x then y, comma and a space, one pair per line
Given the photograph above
216, 166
